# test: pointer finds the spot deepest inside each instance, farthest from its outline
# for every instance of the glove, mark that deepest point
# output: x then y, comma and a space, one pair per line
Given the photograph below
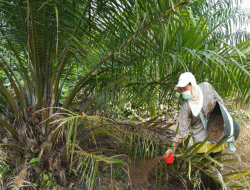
170, 159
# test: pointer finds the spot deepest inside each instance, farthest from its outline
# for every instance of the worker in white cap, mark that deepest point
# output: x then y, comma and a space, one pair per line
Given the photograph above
198, 98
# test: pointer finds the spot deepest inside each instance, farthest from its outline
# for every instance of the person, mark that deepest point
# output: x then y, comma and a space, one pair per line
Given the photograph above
198, 98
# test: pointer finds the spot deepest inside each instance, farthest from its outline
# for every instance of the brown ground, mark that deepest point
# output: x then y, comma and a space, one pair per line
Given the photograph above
242, 144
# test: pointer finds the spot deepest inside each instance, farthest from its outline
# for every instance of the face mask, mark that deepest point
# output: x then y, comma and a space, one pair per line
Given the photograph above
187, 95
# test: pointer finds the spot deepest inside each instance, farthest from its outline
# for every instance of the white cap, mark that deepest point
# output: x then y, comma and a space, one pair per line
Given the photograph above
184, 79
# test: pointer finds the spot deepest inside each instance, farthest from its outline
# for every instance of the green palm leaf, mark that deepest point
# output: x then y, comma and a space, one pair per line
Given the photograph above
11, 129
13, 147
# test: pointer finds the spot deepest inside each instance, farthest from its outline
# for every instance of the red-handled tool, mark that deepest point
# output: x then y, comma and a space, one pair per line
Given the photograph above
170, 159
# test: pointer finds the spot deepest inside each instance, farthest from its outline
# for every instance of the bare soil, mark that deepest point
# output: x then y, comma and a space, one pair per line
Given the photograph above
242, 144
139, 175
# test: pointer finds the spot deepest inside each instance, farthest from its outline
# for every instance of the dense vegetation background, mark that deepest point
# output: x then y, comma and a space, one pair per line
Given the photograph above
69, 66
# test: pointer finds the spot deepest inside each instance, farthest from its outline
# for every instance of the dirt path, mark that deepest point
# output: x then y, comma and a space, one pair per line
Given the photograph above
243, 142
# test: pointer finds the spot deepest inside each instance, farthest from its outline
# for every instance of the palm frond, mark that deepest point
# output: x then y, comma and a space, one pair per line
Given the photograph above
10, 128
13, 147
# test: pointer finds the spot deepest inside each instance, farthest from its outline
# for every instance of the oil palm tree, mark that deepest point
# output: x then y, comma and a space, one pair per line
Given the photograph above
103, 51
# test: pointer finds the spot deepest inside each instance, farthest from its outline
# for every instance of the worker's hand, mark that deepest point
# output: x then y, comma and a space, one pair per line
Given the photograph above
170, 150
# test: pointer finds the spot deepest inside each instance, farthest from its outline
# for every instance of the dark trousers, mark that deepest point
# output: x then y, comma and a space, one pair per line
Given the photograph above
207, 181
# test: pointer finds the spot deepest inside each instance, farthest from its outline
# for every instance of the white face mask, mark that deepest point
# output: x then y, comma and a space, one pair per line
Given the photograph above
187, 95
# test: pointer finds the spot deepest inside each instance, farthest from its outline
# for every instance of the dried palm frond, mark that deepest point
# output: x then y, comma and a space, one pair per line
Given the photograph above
20, 181
2, 158
2, 165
